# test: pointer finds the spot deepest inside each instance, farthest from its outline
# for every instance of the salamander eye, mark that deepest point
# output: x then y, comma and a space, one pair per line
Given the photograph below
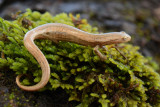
47, 33
125, 37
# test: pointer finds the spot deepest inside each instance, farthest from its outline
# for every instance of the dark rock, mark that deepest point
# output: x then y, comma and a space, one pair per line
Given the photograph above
1, 2
112, 24
77, 7
157, 12
129, 27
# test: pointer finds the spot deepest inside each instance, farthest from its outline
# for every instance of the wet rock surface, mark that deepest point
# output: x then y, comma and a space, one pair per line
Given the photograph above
141, 19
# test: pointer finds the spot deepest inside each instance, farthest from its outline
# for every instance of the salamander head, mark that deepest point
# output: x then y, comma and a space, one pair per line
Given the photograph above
125, 37
119, 37
111, 38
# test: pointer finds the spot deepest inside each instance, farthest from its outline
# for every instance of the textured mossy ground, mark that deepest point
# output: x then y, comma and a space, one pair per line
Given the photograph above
124, 81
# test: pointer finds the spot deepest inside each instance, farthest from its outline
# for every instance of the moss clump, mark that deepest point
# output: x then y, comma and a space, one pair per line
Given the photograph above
14, 98
130, 81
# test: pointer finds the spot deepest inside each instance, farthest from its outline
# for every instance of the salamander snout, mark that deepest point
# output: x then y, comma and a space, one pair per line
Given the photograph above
126, 37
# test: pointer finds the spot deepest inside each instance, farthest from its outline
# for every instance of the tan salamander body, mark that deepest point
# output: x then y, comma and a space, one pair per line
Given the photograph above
61, 32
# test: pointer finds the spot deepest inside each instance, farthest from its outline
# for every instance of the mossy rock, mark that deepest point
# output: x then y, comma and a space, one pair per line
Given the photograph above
118, 81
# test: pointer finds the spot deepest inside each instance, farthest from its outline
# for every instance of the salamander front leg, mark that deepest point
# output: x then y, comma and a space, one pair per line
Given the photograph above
101, 56
116, 47
104, 48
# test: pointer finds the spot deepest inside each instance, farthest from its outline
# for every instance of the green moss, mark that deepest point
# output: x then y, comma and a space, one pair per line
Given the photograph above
77, 69
13, 98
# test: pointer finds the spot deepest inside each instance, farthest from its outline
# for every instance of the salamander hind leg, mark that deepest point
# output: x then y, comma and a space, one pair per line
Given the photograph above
101, 56
55, 41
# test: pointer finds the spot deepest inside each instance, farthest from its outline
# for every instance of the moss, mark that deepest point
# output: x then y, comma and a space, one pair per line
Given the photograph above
123, 81
12, 99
